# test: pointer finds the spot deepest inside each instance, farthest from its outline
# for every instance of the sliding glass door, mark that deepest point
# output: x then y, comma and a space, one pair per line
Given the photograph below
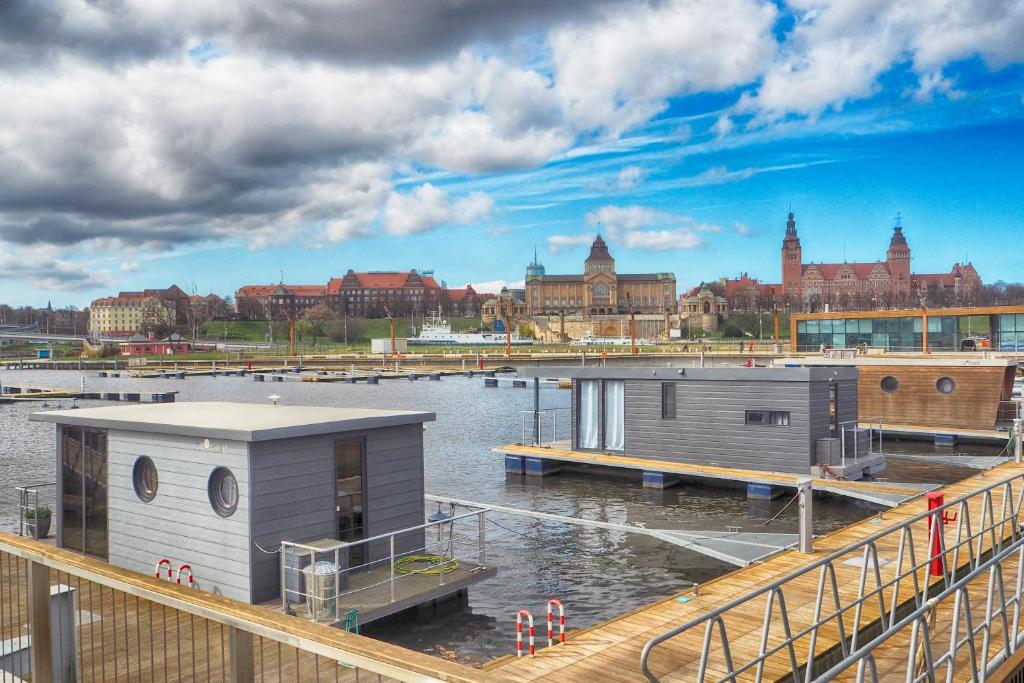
601, 424
348, 467
614, 414
84, 491
589, 422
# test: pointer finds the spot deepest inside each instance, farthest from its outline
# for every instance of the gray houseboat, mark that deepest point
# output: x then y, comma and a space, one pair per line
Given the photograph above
791, 420
223, 487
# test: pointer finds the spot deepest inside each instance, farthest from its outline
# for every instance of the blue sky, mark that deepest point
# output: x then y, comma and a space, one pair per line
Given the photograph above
229, 159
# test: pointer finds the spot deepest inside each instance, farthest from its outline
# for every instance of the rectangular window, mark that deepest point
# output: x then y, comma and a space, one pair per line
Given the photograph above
668, 400
768, 418
833, 410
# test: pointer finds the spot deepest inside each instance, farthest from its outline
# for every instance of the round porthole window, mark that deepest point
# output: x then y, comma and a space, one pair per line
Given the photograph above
890, 384
945, 385
145, 479
223, 490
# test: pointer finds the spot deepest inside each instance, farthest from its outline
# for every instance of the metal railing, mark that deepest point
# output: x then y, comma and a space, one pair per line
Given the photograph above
29, 508
324, 582
906, 598
535, 425
66, 617
874, 426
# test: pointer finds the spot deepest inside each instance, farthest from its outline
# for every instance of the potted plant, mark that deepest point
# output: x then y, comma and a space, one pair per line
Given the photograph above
39, 521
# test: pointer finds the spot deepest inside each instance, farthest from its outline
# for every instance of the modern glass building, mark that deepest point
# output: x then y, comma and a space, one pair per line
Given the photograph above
947, 329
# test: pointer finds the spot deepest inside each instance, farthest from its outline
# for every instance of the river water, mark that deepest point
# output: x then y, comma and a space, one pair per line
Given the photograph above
596, 573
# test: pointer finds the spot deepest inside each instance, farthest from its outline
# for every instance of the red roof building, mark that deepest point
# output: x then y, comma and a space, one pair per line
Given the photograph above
879, 284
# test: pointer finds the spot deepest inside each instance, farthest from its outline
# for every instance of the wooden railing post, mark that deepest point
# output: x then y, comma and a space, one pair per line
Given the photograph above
242, 663
39, 622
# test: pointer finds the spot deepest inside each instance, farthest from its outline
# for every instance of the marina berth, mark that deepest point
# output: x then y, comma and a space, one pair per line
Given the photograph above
788, 420
241, 497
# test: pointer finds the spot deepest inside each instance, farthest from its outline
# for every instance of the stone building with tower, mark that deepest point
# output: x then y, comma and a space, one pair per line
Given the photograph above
852, 285
599, 290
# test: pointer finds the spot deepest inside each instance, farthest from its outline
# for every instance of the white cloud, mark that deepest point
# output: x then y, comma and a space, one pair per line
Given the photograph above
640, 227
495, 286
661, 240
560, 243
931, 84
743, 229
723, 126
619, 72
630, 177
838, 49
428, 207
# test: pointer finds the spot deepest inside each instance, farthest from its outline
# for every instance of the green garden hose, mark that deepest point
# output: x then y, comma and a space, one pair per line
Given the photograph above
435, 564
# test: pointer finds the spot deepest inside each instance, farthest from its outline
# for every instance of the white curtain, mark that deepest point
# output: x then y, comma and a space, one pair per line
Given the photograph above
587, 422
614, 415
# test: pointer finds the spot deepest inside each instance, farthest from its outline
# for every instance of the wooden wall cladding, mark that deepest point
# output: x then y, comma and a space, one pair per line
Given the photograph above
973, 403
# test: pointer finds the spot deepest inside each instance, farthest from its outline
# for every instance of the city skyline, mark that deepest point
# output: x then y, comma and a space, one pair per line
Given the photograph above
222, 155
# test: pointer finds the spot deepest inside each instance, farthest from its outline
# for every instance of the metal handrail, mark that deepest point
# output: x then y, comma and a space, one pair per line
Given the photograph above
446, 553
28, 498
868, 545
536, 428
917, 618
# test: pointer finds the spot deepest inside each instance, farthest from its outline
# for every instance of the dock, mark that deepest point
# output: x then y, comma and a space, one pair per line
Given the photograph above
611, 651
547, 460
951, 436
369, 592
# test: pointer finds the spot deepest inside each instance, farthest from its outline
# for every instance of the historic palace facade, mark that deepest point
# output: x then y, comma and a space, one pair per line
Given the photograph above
599, 290
850, 286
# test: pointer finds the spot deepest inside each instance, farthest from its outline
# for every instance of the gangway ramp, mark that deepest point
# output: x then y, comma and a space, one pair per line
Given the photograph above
739, 548
974, 462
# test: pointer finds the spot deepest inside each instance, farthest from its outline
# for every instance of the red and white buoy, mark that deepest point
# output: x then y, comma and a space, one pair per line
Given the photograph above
561, 622
185, 568
163, 562
519, 633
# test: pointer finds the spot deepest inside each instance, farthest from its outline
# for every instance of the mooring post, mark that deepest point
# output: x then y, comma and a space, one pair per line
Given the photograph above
806, 516
536, 411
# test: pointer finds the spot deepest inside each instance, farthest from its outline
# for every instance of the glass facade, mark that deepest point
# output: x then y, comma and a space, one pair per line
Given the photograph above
1010, 332
893, 334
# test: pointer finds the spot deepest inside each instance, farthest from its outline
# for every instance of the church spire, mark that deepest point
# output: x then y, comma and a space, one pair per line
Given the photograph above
791, 223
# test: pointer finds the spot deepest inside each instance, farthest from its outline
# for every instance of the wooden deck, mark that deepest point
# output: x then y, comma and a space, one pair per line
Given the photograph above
121, 635
611, 651
883, 493
370, 591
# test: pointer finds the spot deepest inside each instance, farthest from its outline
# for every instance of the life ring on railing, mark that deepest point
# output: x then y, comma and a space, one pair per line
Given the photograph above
187, 568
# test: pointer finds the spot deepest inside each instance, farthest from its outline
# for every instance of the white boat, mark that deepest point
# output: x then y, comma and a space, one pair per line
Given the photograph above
436, 331
608, 341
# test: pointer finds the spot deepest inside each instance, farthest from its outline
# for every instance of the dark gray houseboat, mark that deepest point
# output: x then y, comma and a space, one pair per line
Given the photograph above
791, 420
222, 488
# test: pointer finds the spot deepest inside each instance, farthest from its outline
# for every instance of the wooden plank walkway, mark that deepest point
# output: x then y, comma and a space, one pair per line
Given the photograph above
611, 651
884, 493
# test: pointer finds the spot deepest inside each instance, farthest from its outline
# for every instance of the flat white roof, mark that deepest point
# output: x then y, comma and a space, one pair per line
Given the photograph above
234, 421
